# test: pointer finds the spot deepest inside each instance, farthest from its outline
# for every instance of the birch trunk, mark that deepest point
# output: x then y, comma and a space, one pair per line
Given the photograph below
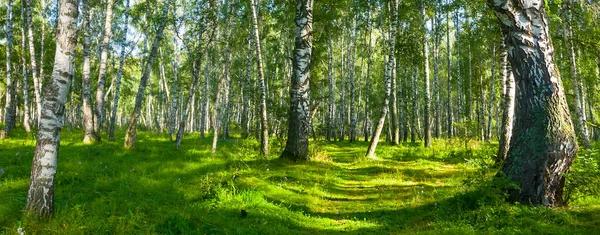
10, 106
436, 77
40, 198
264, 134
34, 69
26, 117
299, 121
449, 117
492, 94
130, 136
189, 103
579, 106
508, 108
544, 144
331, 84
352, 69
90, 134
427, 105
113, 116
388, 88
247, 90
367, 121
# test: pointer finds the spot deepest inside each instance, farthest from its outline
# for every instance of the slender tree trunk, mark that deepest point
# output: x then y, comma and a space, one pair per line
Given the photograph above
579, 106
247, 91
508, 107
99, 108
352, 69
37, 85
427, 104
189, 103
388, 83
296, 147
492, 97
113, 116
367, 121
10, 106
414, 109
89, 132
130, 136
331, 84
264, 135
449, 70
40, 199
543, 144
26, 117
436, 80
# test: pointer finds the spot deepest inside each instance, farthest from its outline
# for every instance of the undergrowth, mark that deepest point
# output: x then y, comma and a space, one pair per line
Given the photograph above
155, 189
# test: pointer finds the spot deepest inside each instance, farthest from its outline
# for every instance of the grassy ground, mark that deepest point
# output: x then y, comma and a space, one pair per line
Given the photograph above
155, 189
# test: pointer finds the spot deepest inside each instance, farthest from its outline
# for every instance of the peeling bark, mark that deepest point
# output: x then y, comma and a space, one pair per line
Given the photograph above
40, 199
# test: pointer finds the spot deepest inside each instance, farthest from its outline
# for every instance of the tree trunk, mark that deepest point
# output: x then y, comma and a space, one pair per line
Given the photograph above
331, 85
388, 83
449, 70
264, 134
189, 103
10, 106
113, 116
436, 80
579, 106
544, 144
296, 147
488, 136
130, 136
99, 109
90, 134
427, 105
37, 85
26, 118
508, 107
247, 92
40, 199
367, 121
352, 69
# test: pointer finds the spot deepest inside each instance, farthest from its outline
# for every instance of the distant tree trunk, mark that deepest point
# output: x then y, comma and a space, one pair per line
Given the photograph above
449, 70
10, 106
414, 109
543, 144
388, 83
113, 116
189, 103
40, 198
130, 136
579, 106
427, 105
331, 84
204, 124
26, 118
264, 134
459, 82
436, 80
89, 132
491, 105
367, 121
352, 69
508, 107
37, 84
296, 147
99, 109
247, 92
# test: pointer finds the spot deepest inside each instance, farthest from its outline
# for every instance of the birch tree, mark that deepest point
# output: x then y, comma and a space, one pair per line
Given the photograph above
264, 133
37, 85
99, 105
543, 144
299, 122
427, 105
10, 105
123, 56
388, 83
130, 136
89, 132
40, 198
508, 107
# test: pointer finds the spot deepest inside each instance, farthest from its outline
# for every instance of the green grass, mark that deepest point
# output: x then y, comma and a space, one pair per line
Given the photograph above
155, 189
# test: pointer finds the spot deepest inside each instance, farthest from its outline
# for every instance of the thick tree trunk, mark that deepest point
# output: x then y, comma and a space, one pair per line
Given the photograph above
543, 144
40, 199
113, 116
130, 136
90, 134
296, 147
37, 84
508, 108
427, 105
264, 134
10, 105
388, 83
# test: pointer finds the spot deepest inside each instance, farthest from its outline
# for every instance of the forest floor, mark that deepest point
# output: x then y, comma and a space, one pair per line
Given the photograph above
155, 189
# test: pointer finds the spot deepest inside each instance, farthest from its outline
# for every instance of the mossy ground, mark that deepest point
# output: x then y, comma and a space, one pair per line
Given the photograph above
155, 189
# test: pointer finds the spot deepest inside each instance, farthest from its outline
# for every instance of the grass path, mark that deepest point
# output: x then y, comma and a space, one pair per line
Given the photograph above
154, 189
